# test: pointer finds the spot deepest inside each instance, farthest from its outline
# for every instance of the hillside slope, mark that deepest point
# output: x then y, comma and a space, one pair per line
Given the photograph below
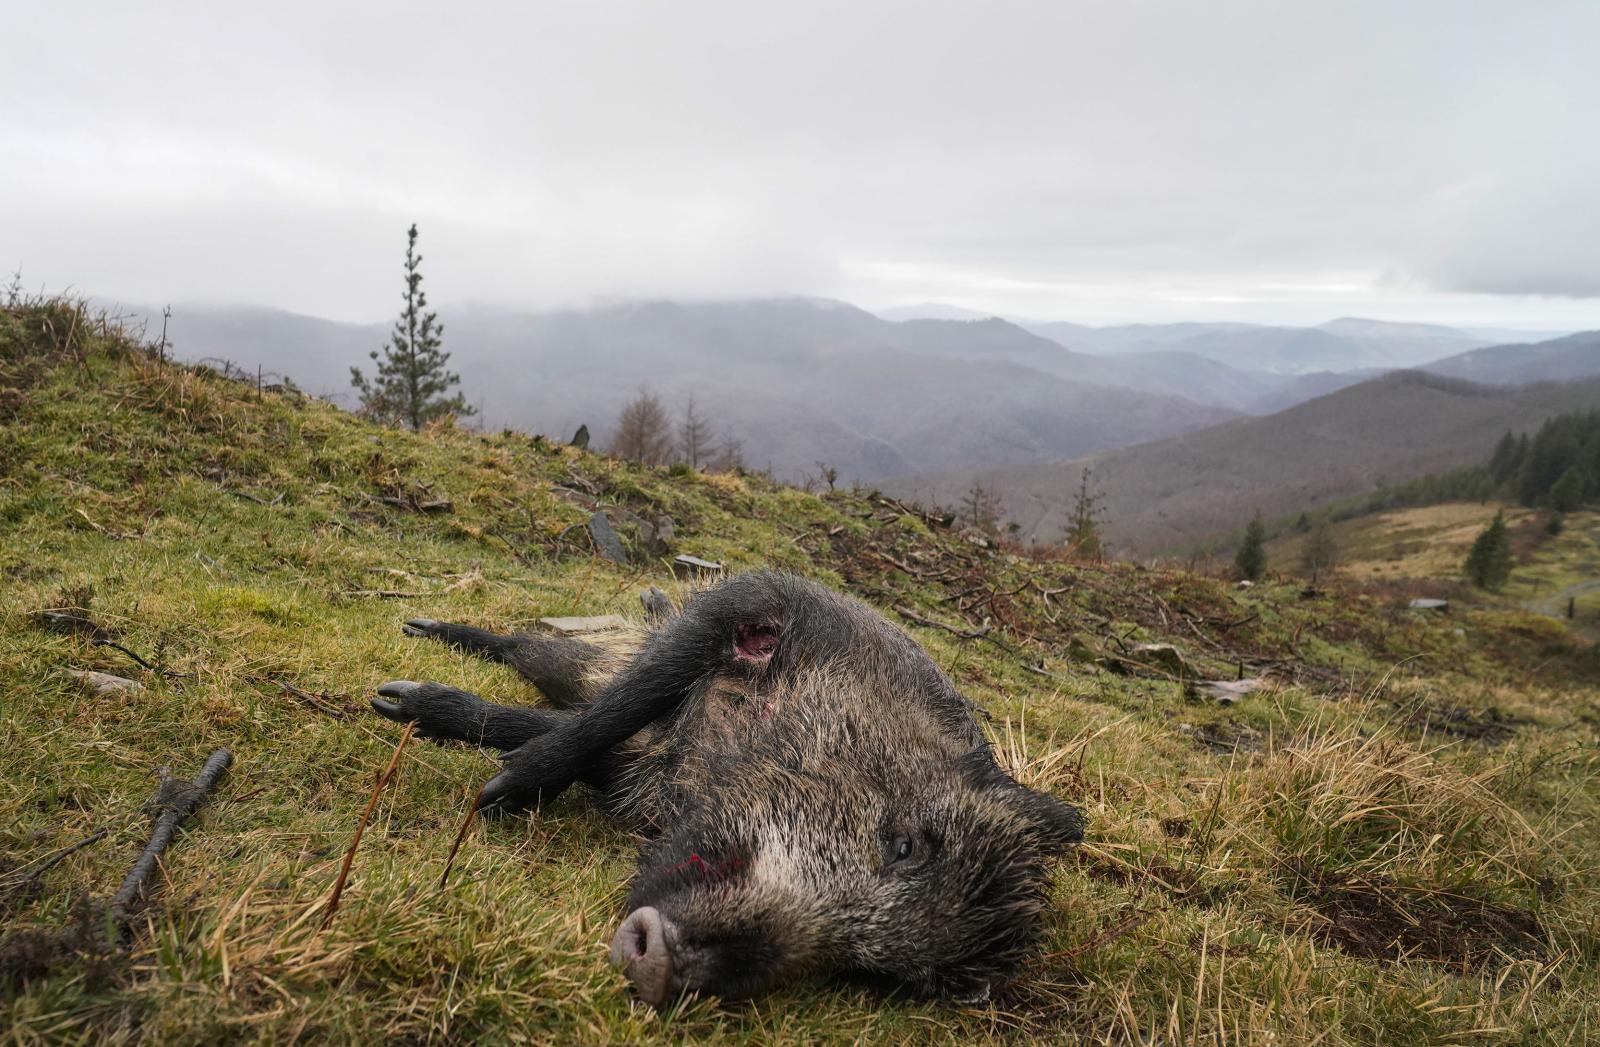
1171, 494
798, 381
1339, 858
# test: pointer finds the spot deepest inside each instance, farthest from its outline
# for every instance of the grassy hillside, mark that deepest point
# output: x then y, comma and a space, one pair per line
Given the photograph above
797, 380
1175, 494
1395, 841
1429, 544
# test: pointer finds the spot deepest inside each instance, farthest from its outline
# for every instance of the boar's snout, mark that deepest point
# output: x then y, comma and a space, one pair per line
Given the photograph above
642, 948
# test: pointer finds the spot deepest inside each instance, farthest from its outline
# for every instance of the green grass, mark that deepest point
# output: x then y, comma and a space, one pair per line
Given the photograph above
1345, 857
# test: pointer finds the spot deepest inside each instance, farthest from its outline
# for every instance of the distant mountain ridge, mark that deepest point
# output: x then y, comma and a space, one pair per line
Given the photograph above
1558, 360
1169, 495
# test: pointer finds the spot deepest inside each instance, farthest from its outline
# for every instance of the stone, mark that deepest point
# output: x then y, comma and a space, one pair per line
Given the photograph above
603, 623
1426, 604
657, 537
1227, 692
1163, 656
580, 439
657, 606
686, 566
104, 684
606, 542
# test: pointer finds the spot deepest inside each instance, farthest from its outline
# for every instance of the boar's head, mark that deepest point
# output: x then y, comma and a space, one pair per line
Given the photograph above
841, 836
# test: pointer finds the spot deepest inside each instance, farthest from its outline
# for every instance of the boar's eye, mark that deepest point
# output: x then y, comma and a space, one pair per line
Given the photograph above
907, 851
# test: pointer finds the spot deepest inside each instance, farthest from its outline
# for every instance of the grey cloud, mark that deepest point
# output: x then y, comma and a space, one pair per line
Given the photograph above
1043, 158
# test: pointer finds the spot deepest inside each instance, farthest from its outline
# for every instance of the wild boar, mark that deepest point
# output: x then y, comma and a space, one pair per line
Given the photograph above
817, 795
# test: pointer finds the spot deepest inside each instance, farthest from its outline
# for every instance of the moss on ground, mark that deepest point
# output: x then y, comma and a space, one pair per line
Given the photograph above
1395, 841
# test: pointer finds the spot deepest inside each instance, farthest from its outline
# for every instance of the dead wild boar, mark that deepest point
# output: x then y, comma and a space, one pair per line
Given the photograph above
818, 796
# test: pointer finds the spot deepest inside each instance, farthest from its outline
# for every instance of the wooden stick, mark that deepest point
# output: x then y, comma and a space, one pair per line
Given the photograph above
174, 811
378, 783
461, 834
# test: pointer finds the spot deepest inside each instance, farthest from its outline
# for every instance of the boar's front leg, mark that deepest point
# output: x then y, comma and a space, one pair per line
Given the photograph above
447, 713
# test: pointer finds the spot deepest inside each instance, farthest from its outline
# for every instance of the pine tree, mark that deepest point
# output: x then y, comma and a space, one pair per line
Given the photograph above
981, 509
1319, 552
1567, 493
1504, 462
410, 379
1083, 526
1251, 560
1488, 565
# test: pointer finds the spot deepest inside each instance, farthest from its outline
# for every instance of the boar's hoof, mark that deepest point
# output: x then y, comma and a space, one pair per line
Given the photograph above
641, 948
419, 627
398, 689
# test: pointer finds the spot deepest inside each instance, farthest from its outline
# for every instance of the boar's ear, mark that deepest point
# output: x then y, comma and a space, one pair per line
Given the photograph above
1059, 825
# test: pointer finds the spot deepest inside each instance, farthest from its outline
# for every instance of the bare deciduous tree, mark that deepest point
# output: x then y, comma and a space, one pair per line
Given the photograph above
644, 432
694, 435
730, 454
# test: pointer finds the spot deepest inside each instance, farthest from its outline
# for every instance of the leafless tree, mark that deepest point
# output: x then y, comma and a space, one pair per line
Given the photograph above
694, 435
730, 454
644, 432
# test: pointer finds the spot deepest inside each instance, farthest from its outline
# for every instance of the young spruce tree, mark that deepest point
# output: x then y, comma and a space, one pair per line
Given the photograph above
1488, 564
1251, 559
410, 382
1083, 525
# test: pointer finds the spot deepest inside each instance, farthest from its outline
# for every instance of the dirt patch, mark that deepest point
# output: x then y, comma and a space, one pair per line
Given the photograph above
1378, 919
1184, 886
1482, 725
1227, 736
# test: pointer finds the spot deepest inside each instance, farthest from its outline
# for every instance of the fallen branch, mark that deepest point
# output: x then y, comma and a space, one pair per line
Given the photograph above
966, 634
316, 701
175, 802
378, 784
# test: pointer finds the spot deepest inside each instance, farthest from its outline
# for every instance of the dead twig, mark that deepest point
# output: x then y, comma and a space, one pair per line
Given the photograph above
966, 634
318, 702
24, 876
175, 802
1118, 930
461, 834
378, 784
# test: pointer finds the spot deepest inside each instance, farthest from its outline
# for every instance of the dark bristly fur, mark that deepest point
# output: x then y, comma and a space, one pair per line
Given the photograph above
818, 794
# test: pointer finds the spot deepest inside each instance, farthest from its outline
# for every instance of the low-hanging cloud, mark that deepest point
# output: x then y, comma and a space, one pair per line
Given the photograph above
1039, 158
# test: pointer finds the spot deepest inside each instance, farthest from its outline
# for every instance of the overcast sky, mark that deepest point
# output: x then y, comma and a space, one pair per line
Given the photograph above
1278, 161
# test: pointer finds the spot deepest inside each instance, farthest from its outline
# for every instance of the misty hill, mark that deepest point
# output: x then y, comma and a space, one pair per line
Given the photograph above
1557, 360
1348, 344
799, 381
1172, 494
